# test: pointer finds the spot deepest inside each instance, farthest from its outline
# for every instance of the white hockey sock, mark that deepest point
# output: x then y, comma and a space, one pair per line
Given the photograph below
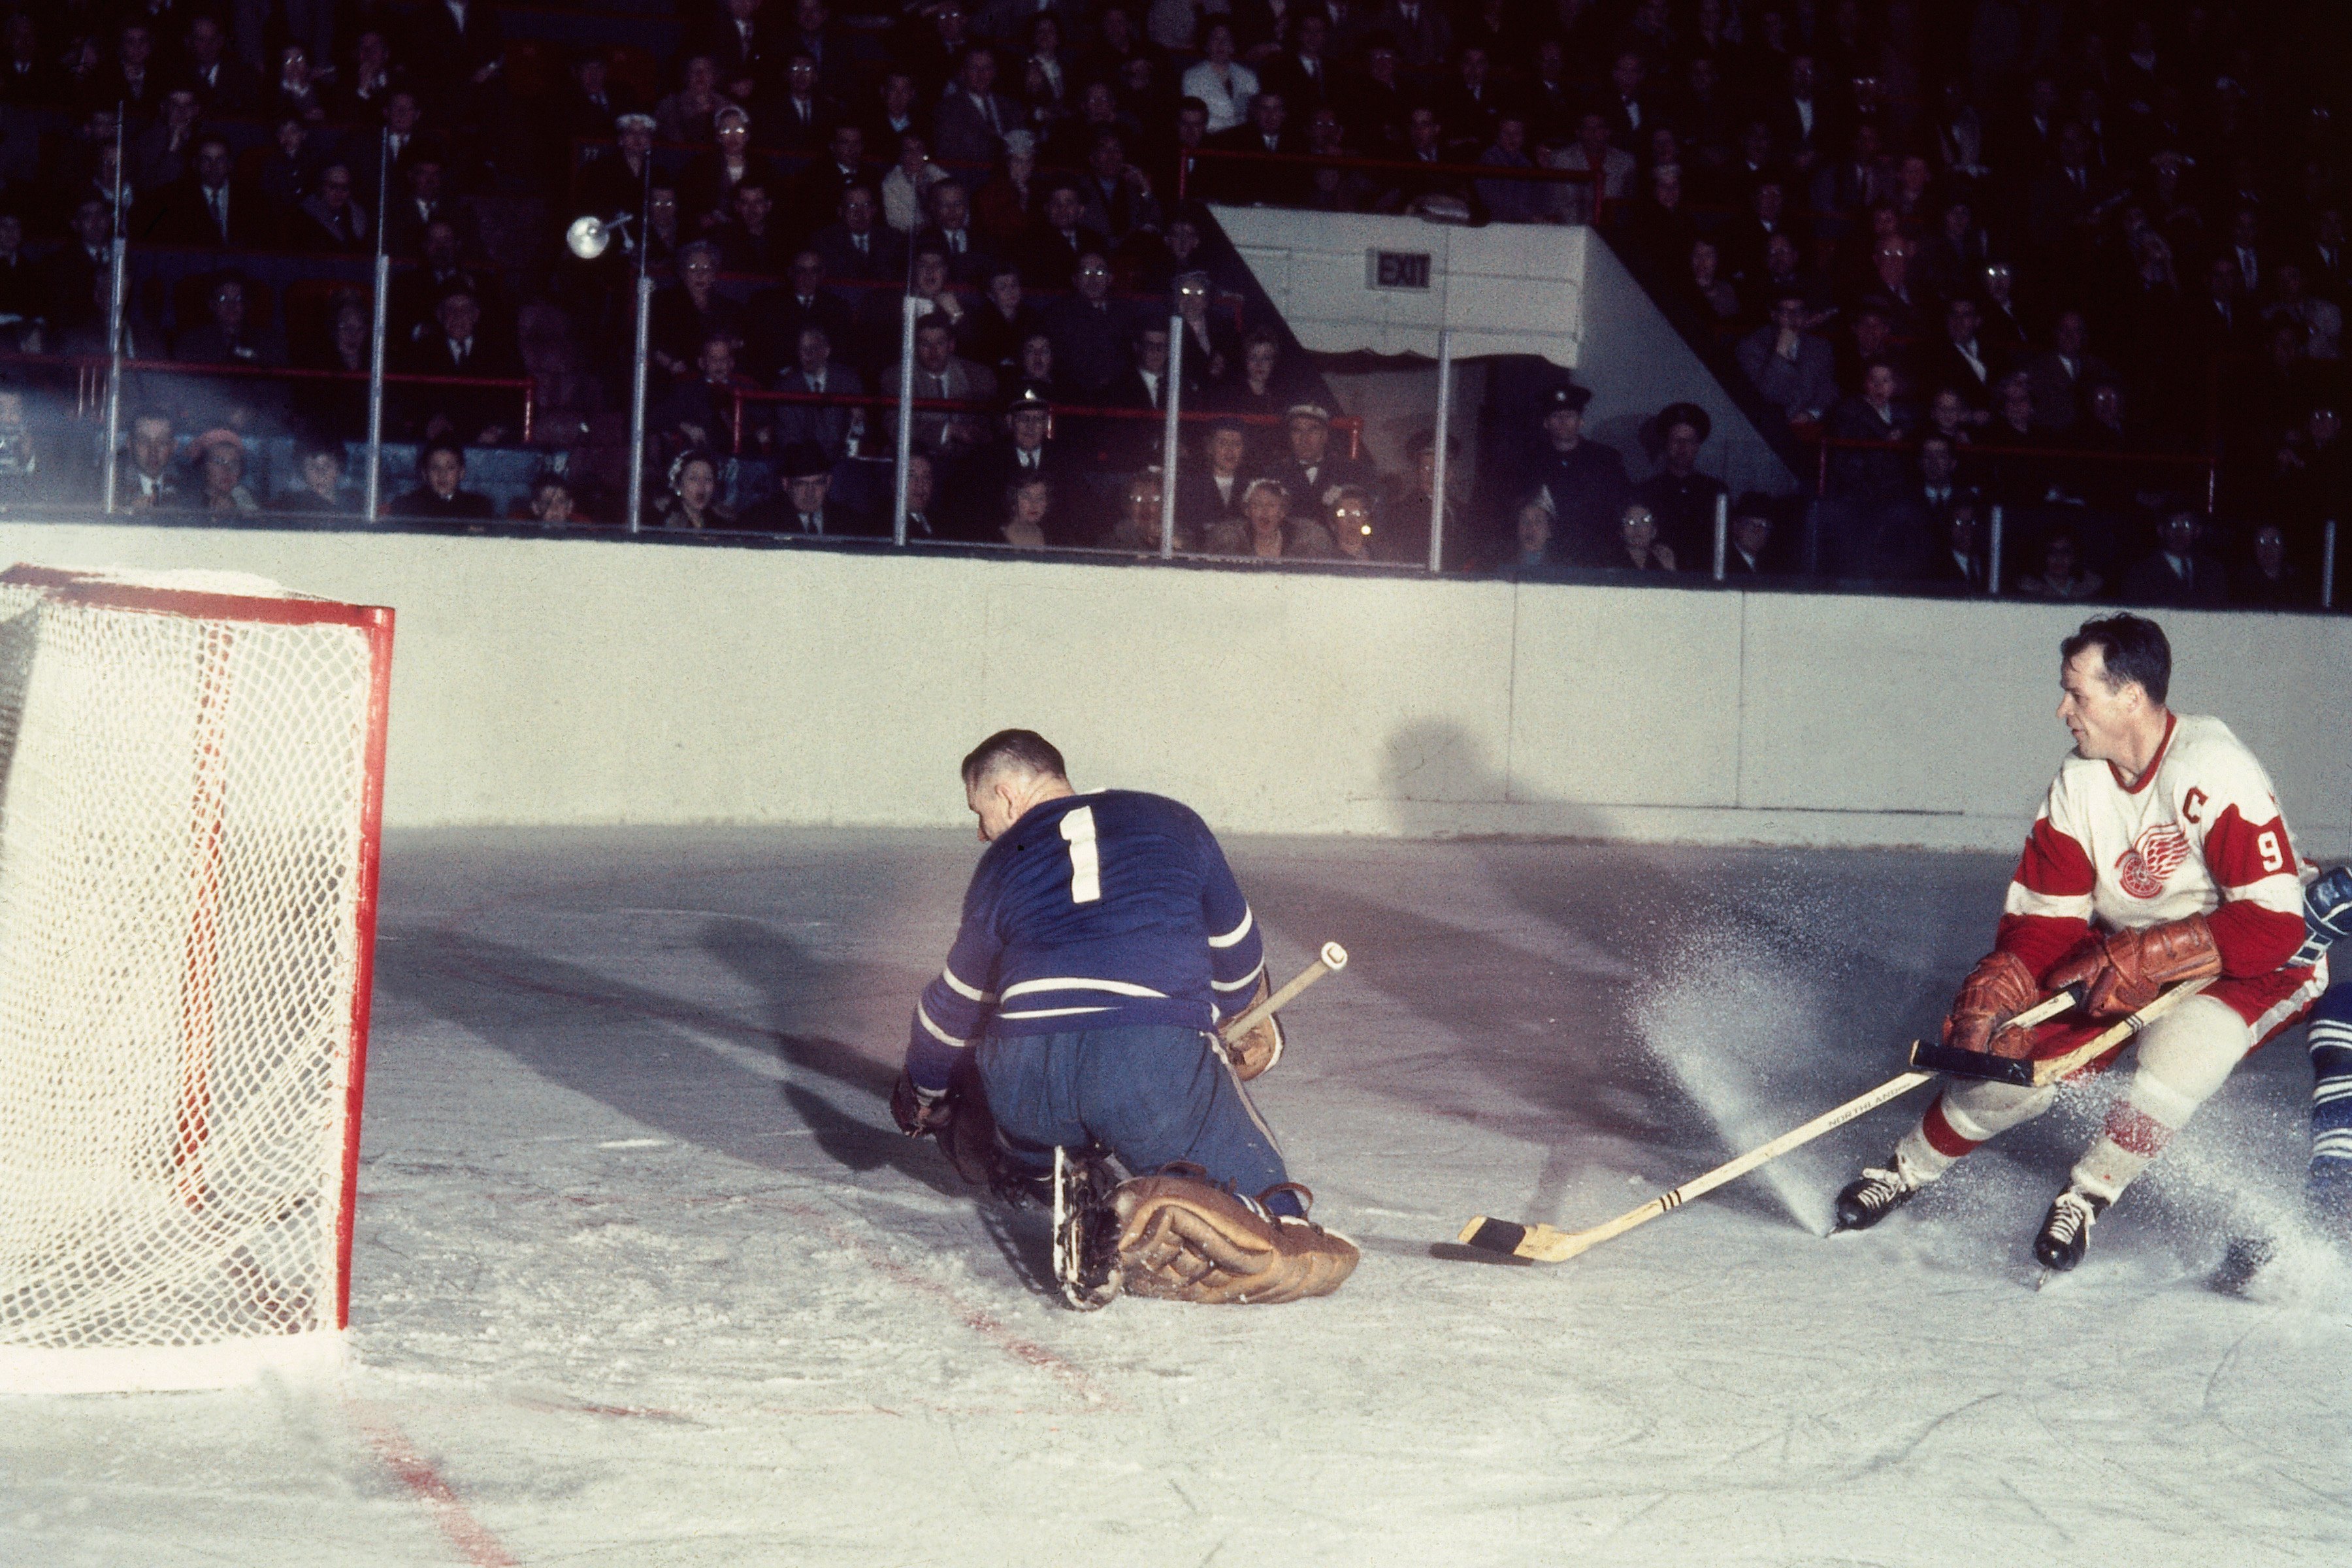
2138, 1127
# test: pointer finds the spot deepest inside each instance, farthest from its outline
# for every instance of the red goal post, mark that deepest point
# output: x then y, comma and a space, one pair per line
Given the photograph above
191, 814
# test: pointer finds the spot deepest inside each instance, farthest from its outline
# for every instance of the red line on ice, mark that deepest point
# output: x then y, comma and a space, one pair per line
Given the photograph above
472, 1539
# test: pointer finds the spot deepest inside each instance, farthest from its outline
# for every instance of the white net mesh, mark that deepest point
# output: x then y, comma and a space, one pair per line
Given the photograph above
181, 813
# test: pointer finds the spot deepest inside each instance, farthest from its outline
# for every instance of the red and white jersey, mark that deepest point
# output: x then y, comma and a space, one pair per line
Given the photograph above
2199, 833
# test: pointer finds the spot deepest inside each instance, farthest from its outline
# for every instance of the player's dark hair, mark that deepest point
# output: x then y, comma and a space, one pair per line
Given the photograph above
1025, 750
2132, 647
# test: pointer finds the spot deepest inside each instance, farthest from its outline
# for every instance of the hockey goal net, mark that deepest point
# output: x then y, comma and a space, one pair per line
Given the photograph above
191, 788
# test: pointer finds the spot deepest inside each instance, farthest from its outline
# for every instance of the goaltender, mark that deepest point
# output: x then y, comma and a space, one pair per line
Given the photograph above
2160, 856
1103, 937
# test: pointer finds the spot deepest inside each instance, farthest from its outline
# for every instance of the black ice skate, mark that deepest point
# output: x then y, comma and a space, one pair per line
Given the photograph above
2242, 1263
2066, 1231
1872, 1196
1085, 1229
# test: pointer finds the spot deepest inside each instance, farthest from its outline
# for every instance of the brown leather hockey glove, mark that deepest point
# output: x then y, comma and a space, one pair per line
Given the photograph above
1253, 1053
2124, 971
1184, 1240
1997, 989
919, 1113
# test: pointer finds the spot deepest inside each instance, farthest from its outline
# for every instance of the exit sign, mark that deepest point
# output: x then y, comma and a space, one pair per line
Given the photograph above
1396, 270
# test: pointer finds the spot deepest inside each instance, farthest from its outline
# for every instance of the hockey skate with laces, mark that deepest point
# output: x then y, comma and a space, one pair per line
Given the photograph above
2066, 1229
1870, 1197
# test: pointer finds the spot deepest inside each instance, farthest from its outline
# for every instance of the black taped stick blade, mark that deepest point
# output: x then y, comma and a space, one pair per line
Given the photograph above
1493, 1235
1971, 1064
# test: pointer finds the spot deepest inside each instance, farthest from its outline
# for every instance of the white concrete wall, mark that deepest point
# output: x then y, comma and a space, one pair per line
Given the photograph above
595, 680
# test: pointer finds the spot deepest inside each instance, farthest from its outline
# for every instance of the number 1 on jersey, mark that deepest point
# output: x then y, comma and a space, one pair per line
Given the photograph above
1086, 859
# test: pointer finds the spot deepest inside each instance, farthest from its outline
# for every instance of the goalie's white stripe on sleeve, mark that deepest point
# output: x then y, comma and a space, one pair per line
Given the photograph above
935, 1033
2332, 1145
1075, 982
2332, 1089
969, 992
1245, 981
2024, 900
1053, 1012
1249, 918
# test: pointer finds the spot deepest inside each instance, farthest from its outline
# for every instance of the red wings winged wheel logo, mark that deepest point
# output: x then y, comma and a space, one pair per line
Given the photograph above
2154, 856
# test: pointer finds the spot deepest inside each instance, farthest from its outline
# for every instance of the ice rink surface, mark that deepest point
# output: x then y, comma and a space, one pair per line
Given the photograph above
644, 1276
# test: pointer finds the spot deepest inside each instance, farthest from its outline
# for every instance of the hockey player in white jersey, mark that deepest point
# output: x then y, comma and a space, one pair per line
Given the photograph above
2160, 856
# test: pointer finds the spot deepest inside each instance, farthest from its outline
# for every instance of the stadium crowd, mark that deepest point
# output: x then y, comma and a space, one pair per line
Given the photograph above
2080, 258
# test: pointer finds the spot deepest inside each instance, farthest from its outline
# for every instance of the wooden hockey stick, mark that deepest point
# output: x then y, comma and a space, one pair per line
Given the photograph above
2029, 1073
1330, 961
1547, 1244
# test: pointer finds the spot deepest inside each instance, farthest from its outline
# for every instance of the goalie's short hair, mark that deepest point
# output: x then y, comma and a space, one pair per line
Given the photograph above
1024, 750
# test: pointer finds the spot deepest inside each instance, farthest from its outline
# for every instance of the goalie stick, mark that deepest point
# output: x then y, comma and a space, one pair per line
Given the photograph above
1548, 1244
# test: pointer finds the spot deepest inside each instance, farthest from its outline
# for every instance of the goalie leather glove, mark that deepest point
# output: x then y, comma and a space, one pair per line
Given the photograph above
1185, 1240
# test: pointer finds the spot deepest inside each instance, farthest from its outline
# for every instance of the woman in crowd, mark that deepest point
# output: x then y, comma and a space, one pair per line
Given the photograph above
693, 498
1350, 524
1640, 549
1220, 81
2063, 575
1266, 530
687, 115
1027, 504
1033, 365
219, 457
1259, 386
908, 182
2269, 580
441, 494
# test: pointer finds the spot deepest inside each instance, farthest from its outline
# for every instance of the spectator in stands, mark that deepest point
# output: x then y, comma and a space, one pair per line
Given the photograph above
906, 189
1514, 201
1025, 452
993, 330
416, 291
230, 88
831, 429
973, 121
1794, 370
462, 346
287, 176
318, 466
1119, 200
1958, 566
226, 334
1679, 497
692, 501
1210, 492
1717, 301
1028, 508
1950, 415
1751, 538
1266, 130
806, 508
1348, 517
1261, 387
2012, 414
371, 82
1089, 331
614, 185
857, 246
208, 208
1868, 474
2178, 574
1962, 362
1407, 506
942, 374
700, 413
152, 482
690, 310
2063, 575
1138, 528
1007, 203
26, 476
922, 488
751, 240
1220, 81
2059, 381
1612, 168
690, 113
166, 151
424, 202
1531, 552
897, 109
1211, 344
1309, 470
2269, 579
970, 258
68, 271
1433, 192
551, 502
219, 459
1639, 548
1268, 530
706, 192
441, 495
296, 90
1583, 481
2322, 320
1906, 526
24, 293
332, 220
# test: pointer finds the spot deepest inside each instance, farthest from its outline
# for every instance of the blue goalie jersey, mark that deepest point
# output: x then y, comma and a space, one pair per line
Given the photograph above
1094, 912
